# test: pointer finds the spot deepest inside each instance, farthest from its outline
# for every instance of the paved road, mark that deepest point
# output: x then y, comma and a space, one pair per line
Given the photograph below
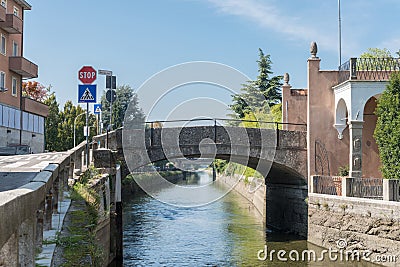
16, 171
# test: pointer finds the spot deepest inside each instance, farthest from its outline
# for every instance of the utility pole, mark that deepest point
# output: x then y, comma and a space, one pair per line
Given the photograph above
340, 35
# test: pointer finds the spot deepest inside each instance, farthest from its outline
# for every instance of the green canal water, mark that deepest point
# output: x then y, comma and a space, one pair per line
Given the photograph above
223, 233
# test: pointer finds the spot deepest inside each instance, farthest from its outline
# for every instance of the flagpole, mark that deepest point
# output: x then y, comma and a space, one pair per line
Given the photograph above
340, 35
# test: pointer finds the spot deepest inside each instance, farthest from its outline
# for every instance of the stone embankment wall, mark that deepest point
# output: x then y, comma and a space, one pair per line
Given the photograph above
282, 207
101, 187
356, 224
131, 187
287, 208
254, 191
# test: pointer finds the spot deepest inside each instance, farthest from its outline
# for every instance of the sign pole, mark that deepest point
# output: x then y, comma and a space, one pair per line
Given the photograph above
111, 102
87, 134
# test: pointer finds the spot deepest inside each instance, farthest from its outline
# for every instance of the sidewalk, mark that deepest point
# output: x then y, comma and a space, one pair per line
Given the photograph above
49, 237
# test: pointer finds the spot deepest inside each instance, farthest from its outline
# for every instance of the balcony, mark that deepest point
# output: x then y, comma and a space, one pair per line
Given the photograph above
23, 67
12, 24
2, 13
35, 107
368, 69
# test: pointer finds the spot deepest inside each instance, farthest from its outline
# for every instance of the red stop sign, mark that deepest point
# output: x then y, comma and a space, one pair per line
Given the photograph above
87, 74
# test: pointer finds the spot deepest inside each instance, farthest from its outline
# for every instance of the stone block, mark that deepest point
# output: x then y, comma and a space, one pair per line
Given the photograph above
43, 177
391, 189
103, 158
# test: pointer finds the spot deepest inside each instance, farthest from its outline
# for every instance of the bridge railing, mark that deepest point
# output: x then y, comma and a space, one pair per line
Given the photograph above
223, 122
109, 140
372, 188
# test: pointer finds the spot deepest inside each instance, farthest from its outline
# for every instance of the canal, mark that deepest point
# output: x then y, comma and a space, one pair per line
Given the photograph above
223, 233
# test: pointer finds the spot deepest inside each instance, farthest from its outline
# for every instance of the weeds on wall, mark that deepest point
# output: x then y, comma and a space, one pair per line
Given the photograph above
80, 246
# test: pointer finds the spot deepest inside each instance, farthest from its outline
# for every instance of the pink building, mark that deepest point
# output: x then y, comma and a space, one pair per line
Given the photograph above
338, 107
22, 119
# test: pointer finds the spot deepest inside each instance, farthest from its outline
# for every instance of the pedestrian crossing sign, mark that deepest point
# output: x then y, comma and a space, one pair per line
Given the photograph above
97, 108
87, 93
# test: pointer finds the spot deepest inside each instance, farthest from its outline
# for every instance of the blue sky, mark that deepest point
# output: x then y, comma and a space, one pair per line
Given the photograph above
136, 39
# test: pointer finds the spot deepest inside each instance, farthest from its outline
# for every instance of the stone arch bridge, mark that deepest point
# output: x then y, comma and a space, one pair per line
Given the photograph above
280, 155
284, 151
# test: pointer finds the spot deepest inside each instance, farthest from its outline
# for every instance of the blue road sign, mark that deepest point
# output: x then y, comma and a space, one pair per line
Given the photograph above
87, 93
97, 108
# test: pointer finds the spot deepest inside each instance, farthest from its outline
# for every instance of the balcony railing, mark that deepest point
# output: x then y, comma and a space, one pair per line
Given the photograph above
23, 67
34, 107
367, 69
12, 24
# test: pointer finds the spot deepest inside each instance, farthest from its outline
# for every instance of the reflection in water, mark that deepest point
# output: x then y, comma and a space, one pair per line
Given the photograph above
223, 233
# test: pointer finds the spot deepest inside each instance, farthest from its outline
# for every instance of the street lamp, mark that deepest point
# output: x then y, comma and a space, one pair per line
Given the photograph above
74, 126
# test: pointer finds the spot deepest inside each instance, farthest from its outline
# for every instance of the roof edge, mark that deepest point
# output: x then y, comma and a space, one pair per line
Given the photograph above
24, 4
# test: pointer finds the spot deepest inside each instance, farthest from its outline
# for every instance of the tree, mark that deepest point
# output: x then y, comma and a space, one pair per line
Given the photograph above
387, 131
376, 53
260, 94
125, 96
66, 126
51, 124
376, 59
35, 91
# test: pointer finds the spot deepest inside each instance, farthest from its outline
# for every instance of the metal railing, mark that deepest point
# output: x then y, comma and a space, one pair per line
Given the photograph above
328, 185
367, 188
218, 122
357, 187
377, 69
223, 122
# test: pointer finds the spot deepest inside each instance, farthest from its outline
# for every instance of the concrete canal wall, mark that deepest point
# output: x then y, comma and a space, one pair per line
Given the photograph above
282, 207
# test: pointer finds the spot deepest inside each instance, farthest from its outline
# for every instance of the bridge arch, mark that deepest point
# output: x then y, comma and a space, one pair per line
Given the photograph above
282, 152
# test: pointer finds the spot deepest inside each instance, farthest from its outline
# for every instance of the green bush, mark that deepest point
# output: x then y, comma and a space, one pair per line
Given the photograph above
387, 131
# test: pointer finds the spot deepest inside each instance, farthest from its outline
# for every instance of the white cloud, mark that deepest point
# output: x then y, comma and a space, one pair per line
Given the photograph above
270, 17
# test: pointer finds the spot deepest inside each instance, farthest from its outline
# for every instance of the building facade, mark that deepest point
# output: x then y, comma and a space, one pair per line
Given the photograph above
338, 106
22, 120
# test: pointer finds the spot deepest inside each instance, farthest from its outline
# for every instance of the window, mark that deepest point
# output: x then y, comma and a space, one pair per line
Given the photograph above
41, 125
14, 86
16, 11
25, 120
35, 123
4, 3
2, 81
11, 118
30, 122
1, 115
17, 119
3, 44
6, 111
15, 49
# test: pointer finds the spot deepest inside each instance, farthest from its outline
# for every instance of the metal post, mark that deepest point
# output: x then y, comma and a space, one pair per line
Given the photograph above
97, 123
107, 146
277, 134
111, 102
151, 133
215, 131
75, 127
118, 219
340, 35
353, 68
215, 141
87, 134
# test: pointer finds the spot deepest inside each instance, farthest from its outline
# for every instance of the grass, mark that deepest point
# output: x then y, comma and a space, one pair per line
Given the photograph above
79, 243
